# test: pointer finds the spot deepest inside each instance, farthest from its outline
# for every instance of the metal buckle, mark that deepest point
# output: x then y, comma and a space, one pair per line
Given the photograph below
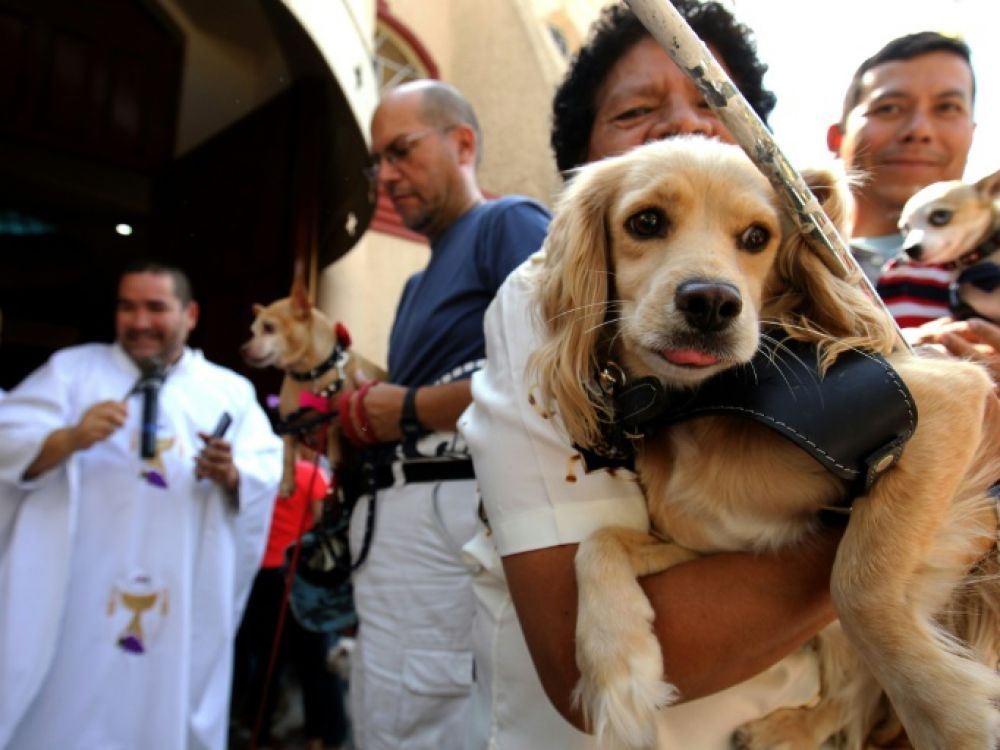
610, 377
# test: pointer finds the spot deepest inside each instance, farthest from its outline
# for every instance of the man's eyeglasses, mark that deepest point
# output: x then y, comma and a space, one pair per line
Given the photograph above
396, 152
399, 150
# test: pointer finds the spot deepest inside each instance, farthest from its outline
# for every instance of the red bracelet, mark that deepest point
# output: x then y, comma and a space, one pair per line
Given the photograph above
346, 423
367, 431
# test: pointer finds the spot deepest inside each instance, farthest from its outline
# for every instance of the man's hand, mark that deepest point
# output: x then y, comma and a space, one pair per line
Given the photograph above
98, 423
382, 405
215, 462
975, 339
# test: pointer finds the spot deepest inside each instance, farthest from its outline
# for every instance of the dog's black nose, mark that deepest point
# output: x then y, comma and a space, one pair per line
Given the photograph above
708, 305
914, 251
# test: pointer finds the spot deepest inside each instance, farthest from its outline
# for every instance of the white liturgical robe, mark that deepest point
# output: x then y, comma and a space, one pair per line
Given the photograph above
122, 580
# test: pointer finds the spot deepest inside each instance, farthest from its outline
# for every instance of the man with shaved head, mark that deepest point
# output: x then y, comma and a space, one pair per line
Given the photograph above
412, 671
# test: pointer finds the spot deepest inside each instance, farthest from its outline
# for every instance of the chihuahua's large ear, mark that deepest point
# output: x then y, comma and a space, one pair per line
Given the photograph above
573, 296
257, 309
989, 187
301, 306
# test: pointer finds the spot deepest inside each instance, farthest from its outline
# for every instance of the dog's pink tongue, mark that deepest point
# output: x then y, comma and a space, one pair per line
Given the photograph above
688, 357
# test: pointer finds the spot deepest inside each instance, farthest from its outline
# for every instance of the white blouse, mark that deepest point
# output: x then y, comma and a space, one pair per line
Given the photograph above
536, 494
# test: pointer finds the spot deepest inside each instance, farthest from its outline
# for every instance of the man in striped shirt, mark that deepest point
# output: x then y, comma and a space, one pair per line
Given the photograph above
908, 122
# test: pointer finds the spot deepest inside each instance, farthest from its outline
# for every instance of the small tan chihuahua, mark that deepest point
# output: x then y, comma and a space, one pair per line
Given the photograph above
957, 224
315, 355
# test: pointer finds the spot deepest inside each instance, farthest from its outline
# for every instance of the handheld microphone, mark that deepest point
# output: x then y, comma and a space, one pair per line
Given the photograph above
149, 386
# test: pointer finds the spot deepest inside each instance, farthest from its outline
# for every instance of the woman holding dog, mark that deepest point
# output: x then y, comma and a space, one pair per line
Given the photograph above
731, 626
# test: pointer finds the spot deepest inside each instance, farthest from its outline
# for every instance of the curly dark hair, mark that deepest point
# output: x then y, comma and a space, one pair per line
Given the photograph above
614, 33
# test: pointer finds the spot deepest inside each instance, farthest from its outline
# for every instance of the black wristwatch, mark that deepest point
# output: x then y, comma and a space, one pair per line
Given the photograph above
408, 422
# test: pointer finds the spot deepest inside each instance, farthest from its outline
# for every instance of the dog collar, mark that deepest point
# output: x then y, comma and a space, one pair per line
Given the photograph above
985, 248
782, 389
338, 358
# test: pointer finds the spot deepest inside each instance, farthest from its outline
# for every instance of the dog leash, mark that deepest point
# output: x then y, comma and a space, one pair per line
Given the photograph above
314, 411
283, 611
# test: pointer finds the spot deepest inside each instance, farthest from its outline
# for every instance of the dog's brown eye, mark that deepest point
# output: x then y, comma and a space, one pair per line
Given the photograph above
755, 238
650, 222
939, 217
267, 328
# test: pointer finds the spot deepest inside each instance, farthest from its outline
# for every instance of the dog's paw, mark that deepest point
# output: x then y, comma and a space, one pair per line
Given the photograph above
744, 739
621, 685
622, 714
784, 729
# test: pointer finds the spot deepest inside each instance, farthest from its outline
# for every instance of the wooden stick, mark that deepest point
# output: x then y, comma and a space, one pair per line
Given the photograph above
669, 28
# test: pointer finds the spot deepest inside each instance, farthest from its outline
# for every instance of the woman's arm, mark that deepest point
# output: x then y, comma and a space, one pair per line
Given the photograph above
720, 619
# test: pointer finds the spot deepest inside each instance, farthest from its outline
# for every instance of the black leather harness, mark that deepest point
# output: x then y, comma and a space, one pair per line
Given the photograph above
854, 420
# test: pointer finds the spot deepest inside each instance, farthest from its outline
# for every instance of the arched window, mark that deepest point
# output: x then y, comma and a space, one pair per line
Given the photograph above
399, 55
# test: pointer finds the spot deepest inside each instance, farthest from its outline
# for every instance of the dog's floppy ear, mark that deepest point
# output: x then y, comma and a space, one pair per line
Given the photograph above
808, 300
989, 187
573, 298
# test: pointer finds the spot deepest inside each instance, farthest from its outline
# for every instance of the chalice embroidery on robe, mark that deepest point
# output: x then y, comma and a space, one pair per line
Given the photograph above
153, 470
141, 607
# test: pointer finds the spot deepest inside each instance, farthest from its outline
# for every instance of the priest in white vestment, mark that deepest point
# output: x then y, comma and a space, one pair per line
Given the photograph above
122, 578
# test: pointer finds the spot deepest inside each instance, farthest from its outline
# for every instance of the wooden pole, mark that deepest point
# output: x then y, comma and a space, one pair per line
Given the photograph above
690, 54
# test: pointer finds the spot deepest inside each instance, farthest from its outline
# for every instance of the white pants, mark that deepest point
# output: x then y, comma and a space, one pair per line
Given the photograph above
412, 670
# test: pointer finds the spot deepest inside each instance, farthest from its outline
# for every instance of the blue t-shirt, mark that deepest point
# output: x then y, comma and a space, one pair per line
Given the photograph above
438, 331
